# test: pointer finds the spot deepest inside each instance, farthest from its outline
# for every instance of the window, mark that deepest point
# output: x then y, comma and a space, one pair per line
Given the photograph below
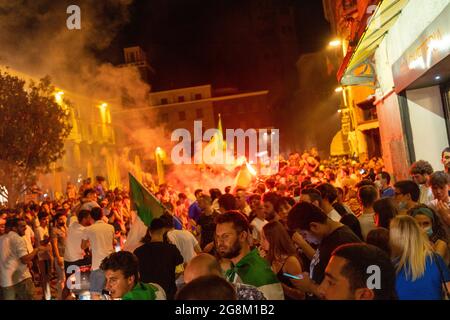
199, 113
198, 96
182, 115
131, 57
164, 117
164, 101
180, 98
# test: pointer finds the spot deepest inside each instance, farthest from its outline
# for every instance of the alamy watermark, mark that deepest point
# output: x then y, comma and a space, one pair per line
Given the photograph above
74, 20
374, 280
219, 152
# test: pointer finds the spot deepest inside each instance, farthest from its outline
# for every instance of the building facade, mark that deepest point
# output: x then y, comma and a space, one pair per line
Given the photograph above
359, 121
90, 149
411, 68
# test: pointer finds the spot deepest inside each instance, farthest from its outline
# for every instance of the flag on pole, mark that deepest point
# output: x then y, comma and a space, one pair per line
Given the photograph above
217, 143
144, 202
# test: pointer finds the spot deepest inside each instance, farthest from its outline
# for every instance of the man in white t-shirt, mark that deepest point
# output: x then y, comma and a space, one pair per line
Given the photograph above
16, 280
74, 254
185, 241
367, 195
101, 238
29, 238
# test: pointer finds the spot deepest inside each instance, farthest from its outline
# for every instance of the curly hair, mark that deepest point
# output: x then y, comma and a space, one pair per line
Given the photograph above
421, 167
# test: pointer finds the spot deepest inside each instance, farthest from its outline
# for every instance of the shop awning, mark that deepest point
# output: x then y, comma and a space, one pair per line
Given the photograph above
357, 67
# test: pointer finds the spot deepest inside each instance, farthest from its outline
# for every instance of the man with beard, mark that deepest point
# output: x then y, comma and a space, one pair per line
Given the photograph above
420, 173
270, 200
246, 266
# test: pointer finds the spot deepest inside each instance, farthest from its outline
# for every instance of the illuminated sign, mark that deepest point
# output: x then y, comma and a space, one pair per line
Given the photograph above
431, 47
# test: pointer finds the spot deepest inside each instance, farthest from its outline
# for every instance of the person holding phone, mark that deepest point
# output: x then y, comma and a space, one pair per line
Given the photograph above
282, 256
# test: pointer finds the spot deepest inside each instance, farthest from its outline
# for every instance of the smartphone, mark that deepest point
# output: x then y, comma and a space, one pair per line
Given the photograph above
298, 277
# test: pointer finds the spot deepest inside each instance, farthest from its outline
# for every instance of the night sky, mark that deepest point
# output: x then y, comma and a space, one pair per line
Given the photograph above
185, 48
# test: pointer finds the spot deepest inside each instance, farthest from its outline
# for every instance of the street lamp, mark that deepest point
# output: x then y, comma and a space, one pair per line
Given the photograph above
335, 43
59, 97
338, 89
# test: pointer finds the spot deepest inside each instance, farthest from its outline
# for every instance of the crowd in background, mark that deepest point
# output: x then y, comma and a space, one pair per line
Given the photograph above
311, 231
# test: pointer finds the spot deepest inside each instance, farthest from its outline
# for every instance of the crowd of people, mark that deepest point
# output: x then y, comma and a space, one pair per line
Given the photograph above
318, 229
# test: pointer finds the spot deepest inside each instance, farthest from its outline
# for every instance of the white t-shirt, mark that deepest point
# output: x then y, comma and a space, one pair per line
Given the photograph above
257, 225
334, 215
426, 195
185, 242
41, 234
28, 236
5, 274
14, 271
101, 237
71, 220
75, 235
367, 223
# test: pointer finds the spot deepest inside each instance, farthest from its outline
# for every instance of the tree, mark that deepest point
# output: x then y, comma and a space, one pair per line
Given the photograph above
33, 128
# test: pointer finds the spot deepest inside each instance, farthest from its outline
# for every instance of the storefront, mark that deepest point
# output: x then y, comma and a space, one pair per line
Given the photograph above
404, 53
422, 82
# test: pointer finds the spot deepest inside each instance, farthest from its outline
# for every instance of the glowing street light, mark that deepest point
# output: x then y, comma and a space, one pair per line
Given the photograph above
59, 97
335, 43
103, 108
338, 89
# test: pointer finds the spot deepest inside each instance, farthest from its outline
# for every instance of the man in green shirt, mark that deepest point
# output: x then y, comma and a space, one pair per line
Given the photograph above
245, 265
122, 279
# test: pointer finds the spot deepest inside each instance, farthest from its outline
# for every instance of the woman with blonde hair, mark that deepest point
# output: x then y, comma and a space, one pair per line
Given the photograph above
421, 273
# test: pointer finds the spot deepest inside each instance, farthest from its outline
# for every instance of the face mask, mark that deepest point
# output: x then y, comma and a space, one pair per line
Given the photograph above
402, 205
429, 231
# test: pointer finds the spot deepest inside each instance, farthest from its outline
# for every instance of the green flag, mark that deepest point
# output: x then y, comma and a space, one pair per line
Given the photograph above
144, 202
